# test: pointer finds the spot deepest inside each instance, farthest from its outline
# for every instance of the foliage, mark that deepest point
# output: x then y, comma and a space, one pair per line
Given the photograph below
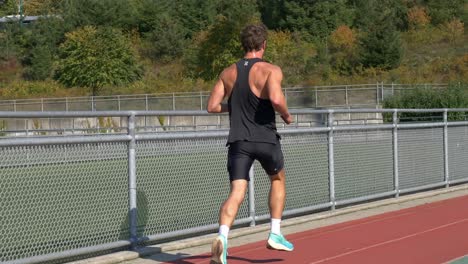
343, 43
41, 7
195, 15
112, 13
442, 11
36, 89
368, 12
315, 19
418, 17
8, 49
272, 13
381, 46
455, 96
95, 57
292, 54
167, 39
217, 48
8, 7
41, 62
184, 44
40, 47
453, 30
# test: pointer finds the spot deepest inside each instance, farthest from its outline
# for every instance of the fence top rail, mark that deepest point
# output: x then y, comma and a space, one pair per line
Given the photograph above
204, 93
57, 114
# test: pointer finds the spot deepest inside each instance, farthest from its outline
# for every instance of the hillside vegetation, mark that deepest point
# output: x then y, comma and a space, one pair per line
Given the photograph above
103, 47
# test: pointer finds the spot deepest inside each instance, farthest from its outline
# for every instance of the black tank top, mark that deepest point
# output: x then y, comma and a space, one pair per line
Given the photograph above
251, 118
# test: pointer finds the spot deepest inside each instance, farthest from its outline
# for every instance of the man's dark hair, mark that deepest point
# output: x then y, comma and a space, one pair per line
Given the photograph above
253, 36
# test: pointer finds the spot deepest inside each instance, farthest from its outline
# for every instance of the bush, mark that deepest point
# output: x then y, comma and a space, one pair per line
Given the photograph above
454, 96
418, 17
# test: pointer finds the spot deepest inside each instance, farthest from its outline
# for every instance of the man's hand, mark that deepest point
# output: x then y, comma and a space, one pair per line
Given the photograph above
287, 119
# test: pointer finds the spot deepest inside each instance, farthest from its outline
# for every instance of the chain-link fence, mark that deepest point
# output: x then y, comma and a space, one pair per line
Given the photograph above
360, 95
65, 196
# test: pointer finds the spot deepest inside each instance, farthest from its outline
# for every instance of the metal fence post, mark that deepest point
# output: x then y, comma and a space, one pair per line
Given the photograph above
146, 102
346, 96
146, 108
132, 182
446, 161
382, 88
252, 196
173, 101
316, 97
377, 93
331, 160
395, 154
201, 100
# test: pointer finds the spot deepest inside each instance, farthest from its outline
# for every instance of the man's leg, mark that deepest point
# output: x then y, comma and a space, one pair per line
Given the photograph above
230, 207
276, 202
227, 214
277, 194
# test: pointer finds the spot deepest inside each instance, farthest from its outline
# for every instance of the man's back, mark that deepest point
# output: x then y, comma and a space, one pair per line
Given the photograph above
252, 118
258, 78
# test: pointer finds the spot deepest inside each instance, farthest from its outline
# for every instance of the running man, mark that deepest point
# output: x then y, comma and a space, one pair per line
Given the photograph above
253, 87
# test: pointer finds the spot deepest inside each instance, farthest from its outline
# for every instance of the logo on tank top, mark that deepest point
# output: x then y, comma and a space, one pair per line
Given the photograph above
246, 63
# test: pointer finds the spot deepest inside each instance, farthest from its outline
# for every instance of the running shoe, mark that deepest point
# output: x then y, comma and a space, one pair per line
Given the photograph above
219, 250
279, 242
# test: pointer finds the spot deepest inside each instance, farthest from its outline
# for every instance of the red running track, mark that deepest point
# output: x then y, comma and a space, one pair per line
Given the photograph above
431, 233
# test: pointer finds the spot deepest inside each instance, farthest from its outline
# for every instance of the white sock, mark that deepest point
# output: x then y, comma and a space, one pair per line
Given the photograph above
224, 230
275, 226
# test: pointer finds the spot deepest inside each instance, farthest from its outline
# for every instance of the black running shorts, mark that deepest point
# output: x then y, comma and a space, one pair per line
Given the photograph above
242, 154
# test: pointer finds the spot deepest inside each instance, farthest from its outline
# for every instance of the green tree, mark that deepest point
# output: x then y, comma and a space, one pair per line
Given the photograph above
41, 7
381, 46
291, 53
40, 48
195, 15
96, 57
314, 18
40, 63
369, 11
8, 7
442, 11
149, 13
167, 40
272, 13
219, 47
164, 35
343, 49
114, 13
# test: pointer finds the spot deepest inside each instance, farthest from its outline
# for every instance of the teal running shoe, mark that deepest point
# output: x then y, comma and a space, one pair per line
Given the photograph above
219, 250
279, 242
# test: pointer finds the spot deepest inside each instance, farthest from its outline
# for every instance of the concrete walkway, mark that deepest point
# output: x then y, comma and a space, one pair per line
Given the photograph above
199, 245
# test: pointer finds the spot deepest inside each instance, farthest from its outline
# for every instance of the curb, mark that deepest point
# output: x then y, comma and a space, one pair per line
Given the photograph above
207, 239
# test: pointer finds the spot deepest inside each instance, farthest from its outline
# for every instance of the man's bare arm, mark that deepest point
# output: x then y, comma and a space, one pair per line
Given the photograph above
218, 93
276, 96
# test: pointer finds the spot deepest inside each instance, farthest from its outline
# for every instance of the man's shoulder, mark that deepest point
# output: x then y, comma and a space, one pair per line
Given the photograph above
269, 66
230, 70
229, 74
